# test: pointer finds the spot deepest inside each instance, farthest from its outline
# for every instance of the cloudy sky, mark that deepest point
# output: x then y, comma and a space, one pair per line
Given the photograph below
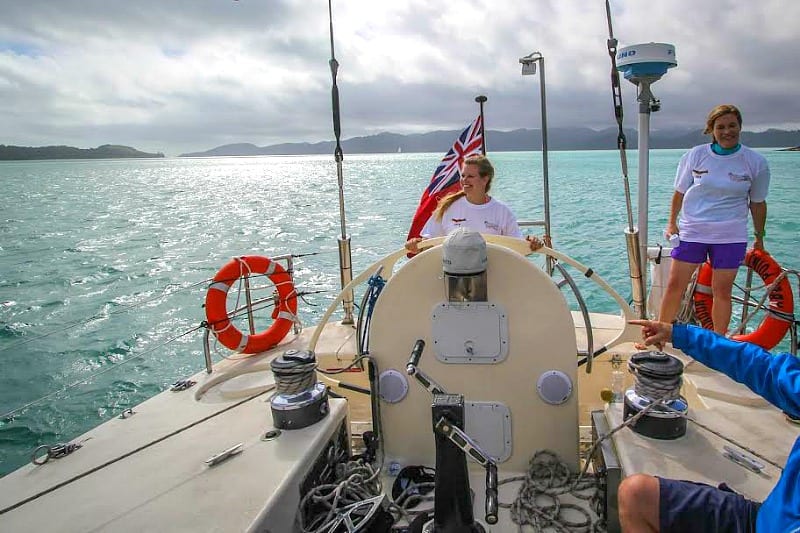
186, 75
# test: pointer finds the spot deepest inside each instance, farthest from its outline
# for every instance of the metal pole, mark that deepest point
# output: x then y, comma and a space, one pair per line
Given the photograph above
545, 176
249, 300
481, 99
645, 97
345, 263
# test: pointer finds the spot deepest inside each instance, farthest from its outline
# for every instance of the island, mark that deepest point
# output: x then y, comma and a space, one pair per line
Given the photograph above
106, 151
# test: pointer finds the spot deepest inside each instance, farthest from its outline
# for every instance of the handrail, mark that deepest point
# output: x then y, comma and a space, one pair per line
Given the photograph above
628, 334
587, 320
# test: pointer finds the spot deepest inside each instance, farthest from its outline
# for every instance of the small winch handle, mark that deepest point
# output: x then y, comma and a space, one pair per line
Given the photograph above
413, 370
416, 354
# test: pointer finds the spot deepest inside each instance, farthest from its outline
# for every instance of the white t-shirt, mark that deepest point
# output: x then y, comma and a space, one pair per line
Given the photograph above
717, 192
493, 217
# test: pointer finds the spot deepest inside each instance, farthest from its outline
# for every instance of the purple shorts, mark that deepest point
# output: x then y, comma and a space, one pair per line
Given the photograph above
721, 255
686, 507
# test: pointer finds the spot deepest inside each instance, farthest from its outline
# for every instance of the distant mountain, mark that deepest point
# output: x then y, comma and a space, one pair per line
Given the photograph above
501, 141
106, 151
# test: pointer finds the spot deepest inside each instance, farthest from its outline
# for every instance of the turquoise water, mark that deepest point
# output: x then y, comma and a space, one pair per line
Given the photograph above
104, 261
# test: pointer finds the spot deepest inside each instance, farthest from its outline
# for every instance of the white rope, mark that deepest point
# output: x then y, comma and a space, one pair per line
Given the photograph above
539, 501
296, 379
355, 481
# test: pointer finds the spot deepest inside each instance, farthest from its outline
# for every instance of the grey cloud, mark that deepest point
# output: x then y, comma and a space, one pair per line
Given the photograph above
189, 75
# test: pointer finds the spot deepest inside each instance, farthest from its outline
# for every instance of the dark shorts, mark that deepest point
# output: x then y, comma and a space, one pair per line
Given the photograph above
721, 255
686, 507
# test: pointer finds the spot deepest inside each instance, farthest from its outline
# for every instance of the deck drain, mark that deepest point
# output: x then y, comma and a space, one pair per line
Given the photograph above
272, 434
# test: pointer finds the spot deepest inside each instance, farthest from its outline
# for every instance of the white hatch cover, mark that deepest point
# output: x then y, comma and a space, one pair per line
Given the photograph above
469, 332
489, 425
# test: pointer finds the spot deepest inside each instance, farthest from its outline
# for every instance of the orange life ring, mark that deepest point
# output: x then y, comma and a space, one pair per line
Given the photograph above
217, 309
773, 328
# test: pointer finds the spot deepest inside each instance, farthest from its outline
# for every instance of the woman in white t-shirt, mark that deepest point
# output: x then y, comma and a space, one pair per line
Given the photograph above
472, 208
716, 185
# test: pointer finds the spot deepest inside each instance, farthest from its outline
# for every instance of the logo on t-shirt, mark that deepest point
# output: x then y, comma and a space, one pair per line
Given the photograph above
738, 177
698, 173
458, 220
491, 225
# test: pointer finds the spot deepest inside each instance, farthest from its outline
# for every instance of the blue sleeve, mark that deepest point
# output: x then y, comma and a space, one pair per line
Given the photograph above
776, 377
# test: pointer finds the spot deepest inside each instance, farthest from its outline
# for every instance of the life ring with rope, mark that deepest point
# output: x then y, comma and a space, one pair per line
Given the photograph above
781, 302
283, 315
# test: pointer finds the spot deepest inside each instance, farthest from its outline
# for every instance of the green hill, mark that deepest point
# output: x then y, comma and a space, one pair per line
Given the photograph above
106, 151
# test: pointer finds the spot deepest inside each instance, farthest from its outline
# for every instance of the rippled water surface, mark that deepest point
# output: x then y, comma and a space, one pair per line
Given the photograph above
106, 262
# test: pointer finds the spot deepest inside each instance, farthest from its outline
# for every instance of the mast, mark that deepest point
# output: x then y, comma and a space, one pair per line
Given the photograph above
345, 257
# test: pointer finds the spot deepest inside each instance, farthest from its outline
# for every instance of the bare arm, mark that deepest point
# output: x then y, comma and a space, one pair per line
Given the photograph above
654, 333
674, 209
758, 210
411, 244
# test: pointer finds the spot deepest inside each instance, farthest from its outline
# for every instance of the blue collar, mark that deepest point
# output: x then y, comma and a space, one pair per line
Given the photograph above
719, 150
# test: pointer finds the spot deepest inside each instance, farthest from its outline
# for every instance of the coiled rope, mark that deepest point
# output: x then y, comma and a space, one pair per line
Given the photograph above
539, 501
295, 380
355, 481
665, 388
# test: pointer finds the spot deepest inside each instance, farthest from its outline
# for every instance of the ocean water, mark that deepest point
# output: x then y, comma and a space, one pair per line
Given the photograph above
104, 264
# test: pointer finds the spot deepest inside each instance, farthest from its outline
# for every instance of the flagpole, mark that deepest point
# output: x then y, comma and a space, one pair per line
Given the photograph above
481, 99
345, 258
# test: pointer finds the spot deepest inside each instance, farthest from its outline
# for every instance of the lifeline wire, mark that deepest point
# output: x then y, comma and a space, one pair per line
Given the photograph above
114, 366
83, 380
125, 309
125, 455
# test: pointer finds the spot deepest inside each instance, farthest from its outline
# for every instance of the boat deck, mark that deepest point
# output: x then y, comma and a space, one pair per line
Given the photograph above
144, 471
729, 409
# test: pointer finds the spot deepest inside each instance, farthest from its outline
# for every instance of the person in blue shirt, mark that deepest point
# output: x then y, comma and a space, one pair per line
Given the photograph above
648, 503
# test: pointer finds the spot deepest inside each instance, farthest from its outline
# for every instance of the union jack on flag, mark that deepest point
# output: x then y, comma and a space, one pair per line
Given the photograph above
446, 178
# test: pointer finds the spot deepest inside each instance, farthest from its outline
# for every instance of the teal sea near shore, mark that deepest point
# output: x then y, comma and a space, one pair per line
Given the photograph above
104, 263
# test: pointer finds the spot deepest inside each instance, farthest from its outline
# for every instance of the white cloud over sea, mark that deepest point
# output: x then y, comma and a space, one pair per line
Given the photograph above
189, 75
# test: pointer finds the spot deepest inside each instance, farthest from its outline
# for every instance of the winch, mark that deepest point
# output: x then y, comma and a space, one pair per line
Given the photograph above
658, 375
300, 400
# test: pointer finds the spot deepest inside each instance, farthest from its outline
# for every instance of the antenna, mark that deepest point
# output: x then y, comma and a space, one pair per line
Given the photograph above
643, 65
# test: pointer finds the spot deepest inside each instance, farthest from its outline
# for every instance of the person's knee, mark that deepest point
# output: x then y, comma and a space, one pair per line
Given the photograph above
676, 285
722, 295
637, 488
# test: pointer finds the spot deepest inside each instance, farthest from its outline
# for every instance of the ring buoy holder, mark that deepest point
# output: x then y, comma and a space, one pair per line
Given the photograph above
284, 314
779, 315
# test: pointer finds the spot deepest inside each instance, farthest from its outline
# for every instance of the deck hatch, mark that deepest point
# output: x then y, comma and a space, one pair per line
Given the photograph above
489, 425
469, 333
